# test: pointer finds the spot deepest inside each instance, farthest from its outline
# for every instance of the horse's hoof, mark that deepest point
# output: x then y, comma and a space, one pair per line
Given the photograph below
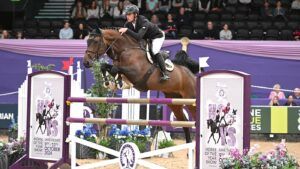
117, 76
106, 84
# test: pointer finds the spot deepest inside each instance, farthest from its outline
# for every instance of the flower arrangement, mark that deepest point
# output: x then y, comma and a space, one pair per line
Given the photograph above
87, 133
11, 152
142, 138
277, 158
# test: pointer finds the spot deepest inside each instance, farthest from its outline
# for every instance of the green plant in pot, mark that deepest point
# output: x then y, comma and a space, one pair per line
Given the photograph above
165, 144
13, 131
101, 110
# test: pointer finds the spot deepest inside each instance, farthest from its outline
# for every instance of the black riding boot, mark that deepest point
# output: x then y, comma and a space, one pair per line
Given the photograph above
162, 66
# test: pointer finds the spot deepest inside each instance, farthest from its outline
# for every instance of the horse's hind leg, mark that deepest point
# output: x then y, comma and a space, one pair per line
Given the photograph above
178, 112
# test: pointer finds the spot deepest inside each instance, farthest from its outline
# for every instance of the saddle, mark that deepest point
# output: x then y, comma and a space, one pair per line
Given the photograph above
147, 45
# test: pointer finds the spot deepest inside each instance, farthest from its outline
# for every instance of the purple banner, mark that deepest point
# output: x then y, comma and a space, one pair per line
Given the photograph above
268, 62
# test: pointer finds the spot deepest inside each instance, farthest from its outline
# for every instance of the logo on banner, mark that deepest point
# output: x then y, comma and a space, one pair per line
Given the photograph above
128, 156
47, 112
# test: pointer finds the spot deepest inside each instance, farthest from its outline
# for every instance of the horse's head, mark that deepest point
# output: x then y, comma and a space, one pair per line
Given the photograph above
209, 121
95, 48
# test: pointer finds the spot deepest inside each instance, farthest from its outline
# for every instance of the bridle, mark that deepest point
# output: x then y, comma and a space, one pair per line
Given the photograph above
96, 54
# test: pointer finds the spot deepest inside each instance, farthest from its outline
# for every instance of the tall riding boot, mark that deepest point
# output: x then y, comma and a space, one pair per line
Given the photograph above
162, 66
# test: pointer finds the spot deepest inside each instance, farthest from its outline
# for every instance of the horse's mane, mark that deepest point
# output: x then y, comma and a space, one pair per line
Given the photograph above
182, 58
115, 31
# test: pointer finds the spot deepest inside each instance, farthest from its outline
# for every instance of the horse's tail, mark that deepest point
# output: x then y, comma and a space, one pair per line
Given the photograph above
182, 58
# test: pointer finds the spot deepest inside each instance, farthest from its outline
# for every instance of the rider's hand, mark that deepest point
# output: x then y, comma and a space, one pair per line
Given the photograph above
123, 30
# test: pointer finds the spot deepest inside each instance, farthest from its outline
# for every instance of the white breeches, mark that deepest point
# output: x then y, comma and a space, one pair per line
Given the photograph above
157, 44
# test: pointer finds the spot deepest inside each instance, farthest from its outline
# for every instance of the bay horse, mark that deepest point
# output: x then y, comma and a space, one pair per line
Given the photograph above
129, 59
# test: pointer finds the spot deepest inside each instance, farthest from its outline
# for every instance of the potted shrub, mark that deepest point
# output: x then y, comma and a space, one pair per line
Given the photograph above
164, 144
89, 134
3, 156
13, 131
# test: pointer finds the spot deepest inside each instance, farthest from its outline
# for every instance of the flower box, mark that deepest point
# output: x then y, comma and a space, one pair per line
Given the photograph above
84, 152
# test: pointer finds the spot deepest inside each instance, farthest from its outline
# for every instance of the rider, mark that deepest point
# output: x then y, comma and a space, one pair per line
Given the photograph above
139, 28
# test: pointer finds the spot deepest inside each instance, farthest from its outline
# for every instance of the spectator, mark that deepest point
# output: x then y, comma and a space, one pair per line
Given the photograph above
5, 35
78, 11
114, 6
151, 5
216, 5
246, 2
93, 11
66, 32
126, 3
81, 32
290, 101
164, 5
118, 12
279, 11
210, 33
177, 4
182, 18
19, 35
266, 11
231, 2
100, 3
295, 5
276, 92
113, 3
274, 101
105, 10
170, 27
155, 20
225, 34
297, 93
189, 6
204, 5
296, 33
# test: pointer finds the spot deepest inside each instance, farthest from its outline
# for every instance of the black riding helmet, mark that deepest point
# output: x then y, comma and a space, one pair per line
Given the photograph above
131, 9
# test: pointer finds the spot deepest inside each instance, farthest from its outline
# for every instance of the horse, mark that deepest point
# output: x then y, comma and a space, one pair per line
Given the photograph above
129, 59
214, 128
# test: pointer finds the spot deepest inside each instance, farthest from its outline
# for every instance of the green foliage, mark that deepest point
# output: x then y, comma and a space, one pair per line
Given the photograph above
166, 143
98, 90
41, 67
104, 142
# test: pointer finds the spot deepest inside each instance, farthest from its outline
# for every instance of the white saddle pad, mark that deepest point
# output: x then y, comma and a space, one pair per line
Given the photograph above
169, 64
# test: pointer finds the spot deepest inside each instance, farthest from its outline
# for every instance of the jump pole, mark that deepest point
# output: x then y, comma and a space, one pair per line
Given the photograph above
132, 100
132, 122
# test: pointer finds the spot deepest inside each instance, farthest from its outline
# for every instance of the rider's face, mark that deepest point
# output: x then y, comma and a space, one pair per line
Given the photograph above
130, 17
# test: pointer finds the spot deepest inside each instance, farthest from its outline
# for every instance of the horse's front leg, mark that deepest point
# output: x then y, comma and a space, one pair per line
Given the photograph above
105, 68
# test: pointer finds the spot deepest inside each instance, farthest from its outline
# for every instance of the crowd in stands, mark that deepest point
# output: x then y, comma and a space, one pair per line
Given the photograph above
277, 95
198, 19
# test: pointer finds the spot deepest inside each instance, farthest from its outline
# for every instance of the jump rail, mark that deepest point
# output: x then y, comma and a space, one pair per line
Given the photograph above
132, 100
132, 122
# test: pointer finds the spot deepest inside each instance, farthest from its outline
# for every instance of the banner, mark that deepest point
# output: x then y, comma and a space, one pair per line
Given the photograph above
276, 119
224, 124
47, 117
8, 113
